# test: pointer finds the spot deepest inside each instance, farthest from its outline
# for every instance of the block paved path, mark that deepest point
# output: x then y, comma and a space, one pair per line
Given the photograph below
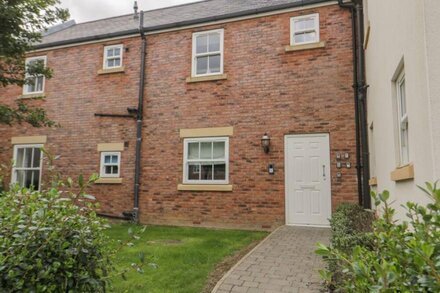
283, 262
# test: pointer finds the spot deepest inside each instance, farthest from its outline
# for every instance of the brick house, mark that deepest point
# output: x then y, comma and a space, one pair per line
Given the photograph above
218, 76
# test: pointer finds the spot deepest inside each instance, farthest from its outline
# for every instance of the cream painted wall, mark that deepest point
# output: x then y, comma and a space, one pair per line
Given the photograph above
398, 35
432, 22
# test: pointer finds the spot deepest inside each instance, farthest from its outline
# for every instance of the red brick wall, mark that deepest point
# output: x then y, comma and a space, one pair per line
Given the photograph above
73, 96
267, 90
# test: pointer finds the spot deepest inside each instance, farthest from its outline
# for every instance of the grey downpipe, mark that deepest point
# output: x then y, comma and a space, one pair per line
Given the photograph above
139, 119
362, 164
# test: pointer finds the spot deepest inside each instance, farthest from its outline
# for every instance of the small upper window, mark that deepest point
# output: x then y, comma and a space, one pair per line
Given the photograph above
34, 83
110, 164
206, 160
27, 167
207, 53
402, 117
304, 29
113, 56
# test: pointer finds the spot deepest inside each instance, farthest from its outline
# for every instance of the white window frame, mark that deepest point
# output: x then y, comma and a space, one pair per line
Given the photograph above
15, 168
103, 165
25, 86
106, 58
186, 161
402, 120
293, 32
195, 55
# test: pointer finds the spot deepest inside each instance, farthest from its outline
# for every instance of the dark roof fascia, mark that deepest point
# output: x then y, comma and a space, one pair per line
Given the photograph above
184, 23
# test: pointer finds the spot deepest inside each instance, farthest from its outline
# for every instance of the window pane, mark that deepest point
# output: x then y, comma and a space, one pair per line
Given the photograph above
31, 85
110, 53
206, 150
402, 98
404, 146
28, 157
20, 177
117, 62
36, 179
111, 63
299, 38
202, 65
115, 159
206, 172
108, 169
220, 171
37, 158
115, 170
214, 42
193, 172
39, 84
193, 150
117, 52
202, 44
310, 37
214, 63
28, 179
20, 157
299, 25
107, 159
309, 23
219, 150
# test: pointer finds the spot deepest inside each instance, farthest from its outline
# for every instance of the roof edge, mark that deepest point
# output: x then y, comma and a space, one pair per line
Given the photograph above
183, 23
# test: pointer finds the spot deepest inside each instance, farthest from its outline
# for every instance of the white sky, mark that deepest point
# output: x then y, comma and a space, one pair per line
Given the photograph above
86, 10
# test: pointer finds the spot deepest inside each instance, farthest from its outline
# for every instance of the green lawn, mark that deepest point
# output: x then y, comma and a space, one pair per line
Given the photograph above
185, 256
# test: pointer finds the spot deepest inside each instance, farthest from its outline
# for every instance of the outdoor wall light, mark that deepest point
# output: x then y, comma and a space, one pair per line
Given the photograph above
265, 143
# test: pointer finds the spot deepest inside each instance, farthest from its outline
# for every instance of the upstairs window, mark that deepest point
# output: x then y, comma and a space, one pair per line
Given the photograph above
207, 53
35, 83
28, 162
402, 117
304, 29
206, 160
110, 164
113, 56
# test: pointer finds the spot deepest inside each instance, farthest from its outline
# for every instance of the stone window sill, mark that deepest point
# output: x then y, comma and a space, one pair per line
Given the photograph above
207, 78
32, 96
373, 181
403, 173
112, 70
200, 187
109, 181
305, 47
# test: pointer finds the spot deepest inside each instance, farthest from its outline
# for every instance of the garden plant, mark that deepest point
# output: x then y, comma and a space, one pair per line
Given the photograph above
397, 257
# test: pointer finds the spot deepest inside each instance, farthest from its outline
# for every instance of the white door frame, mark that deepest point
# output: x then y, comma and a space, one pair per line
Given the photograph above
286, 196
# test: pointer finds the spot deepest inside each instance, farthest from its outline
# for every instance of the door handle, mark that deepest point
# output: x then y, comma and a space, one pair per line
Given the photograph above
323, 172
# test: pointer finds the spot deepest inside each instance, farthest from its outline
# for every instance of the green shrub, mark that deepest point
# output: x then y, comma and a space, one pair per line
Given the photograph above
53, 241
50, 244
404, 256
351, 225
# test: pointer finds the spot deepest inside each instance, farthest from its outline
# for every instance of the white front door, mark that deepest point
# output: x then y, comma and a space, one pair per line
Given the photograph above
308, 181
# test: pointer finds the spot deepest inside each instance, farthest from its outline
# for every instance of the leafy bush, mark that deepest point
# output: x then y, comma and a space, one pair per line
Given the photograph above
351, 225
48, 243
53, 241
404, 257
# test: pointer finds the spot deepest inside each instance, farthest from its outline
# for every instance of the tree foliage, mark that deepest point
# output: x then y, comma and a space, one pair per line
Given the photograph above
22, 24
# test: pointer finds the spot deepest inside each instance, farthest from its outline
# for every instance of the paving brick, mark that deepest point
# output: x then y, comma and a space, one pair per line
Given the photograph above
293, 247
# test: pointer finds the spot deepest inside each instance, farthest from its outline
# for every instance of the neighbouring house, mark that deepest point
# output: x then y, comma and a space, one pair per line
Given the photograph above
403, 74
247, 115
